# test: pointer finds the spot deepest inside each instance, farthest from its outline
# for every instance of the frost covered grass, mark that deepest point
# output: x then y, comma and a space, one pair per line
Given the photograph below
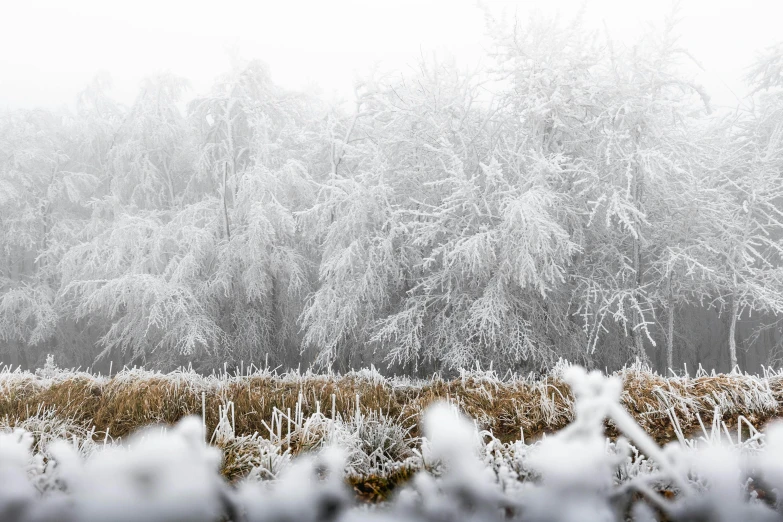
453, 470
509, 407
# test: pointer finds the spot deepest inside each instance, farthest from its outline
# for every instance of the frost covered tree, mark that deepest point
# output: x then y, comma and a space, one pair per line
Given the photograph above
152, 152
749, 229
577, 198
194, 265
45, 187
615, 123
644, 161
436, 251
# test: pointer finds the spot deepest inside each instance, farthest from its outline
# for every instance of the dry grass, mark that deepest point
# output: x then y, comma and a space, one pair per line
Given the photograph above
135, 398
262, 400
274, 417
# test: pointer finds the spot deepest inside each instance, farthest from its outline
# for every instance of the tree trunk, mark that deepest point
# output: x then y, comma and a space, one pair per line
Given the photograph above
670, 339
670, 343
637, 266
169, 183
230, 151
638, 344
733, 333
225, 204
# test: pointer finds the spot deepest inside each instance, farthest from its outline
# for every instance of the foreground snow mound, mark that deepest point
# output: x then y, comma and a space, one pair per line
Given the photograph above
464, 474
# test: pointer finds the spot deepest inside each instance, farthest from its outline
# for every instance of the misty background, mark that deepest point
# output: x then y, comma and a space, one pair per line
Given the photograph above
50, 50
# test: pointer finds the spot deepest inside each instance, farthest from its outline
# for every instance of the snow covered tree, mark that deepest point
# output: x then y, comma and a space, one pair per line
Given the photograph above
44, 194
577, 199
152, 153
436, 251
616, 121
192, 265
748, 221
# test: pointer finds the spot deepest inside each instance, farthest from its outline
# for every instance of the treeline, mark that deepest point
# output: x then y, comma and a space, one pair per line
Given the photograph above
575, 198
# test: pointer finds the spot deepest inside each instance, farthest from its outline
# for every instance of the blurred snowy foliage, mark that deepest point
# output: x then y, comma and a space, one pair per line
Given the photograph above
577, 474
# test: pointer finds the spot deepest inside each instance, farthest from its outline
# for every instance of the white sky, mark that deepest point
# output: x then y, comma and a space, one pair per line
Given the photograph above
50, 50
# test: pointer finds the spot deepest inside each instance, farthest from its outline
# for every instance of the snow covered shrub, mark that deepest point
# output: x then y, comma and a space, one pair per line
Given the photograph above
466, 488
311, 490
157, 476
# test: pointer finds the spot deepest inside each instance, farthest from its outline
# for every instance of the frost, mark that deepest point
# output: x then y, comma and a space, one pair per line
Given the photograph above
576, 474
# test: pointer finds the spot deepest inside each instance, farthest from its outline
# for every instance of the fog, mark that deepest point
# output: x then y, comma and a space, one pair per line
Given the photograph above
49, 50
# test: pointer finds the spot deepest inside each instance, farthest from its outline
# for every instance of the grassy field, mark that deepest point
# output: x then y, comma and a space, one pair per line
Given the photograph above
259, 418
256, 445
